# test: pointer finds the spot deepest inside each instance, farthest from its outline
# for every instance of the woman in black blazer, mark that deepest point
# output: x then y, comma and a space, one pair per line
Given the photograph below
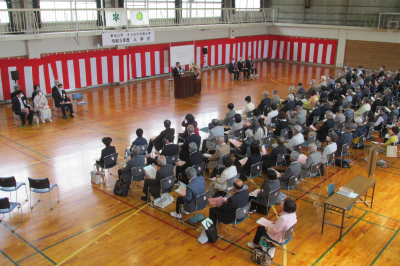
108, 150
270, 184
255, 157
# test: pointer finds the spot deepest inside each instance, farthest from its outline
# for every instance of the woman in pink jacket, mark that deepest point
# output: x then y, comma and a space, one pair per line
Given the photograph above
274, 232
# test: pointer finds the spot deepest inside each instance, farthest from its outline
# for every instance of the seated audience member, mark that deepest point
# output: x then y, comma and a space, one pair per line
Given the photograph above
292, 170
347, 111
270, 159
394, 114
20, 107
339, 118
264, 102
313, 84
309, 105
392, 139
356, 96
353, 84
61, 100
282, 124
323, 131
274, 232
386, 98
324, 93
251, 67
35, 92
189, 121
136, 160
255, 157
336, 91
249, 107
370, 120
42, 106
226, 212
322, 84
316, 112
361, 130
381, 117
196, 186
275, 98
366, 91
229, 114
338, 102
297, 138
289, 105
209, 144
299, 102
192, 137
17, 88
242, 68
157, 142
232, 69
260, 203
345, 138
271, 114
108, 150
297, 117
195, 158
236, 126
366, 107
377, 102
261, 132
324, 107
331, 82
165, 171
220, 182
314, 157
242, 149
345, 87
254, 121
300, 89
170, 149
348, 98
213, 161
55, 87
139, 141
330, 148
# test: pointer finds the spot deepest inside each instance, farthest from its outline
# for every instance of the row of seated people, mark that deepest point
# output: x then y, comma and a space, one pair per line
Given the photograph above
246, 67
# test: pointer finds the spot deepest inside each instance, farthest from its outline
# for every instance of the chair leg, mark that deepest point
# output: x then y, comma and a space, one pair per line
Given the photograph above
58, 200
37, 202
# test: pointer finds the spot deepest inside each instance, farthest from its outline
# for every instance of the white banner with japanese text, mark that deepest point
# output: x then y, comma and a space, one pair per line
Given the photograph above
135, 37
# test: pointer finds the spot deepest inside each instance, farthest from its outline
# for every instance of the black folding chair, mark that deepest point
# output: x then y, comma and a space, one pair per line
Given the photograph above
7, 207
9, 184
171, 159
166, 185
314, 171
241, 214
239, 134
41, 186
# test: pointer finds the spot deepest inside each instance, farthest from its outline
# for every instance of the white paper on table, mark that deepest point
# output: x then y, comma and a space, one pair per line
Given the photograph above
352, 194
150, 171
302, 158
264, 222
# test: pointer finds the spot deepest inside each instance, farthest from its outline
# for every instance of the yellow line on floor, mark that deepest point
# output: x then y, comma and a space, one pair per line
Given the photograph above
108, 232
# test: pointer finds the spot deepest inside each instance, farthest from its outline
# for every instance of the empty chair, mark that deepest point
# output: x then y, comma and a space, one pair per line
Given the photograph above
284, 133
78, 100
241, 214
9, 184
315, 120
41, 186
273, 198
345, 150
7, 207
166, 185
280, 160
200, 168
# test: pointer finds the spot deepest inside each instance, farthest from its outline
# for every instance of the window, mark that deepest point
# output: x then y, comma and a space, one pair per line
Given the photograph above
158, 8
4, 13
203, 8
242, 5
86, 11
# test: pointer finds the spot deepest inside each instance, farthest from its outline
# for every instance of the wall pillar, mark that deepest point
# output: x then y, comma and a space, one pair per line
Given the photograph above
31, 49
341, 47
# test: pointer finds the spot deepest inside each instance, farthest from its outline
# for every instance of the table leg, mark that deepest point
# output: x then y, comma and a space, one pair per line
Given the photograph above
323, 219
372, 198
341, 227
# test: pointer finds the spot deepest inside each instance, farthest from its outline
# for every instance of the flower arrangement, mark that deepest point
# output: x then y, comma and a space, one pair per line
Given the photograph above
195, 69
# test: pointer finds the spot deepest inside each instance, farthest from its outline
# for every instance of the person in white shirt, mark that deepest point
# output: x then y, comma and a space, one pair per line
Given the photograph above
220, 182
261, 132
366, 107
330, 148
297, 138
249, 107
42, 106
271, 114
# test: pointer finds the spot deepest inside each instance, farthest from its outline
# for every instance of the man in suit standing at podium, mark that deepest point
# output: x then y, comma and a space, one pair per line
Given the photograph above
178, 71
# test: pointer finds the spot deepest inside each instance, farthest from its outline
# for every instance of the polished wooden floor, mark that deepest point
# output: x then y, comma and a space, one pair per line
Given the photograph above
91, 226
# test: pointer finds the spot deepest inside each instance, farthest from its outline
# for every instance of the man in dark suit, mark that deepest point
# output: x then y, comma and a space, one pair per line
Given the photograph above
382, 69
195, 158
20, 107
264, 102
177, 71
377, 102
282, 124
323, 131
233, 70
315, 112
184, 153
335, 91
34, 93
251, 67
294, 169
386, 98
170, 149
166, 170
157, 142
136, 160
62, 101
55, 87
373, 74
289, 106
242, 68
301, 89
324, 107
270, 159
226, 212
345, 87
345, 138
196, 187
348, 76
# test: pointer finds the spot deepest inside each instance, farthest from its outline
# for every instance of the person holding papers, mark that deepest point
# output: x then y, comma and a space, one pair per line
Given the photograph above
392, 139
260, 202
137, 160
195, 158
177, 71
220, 182
170, 149
196, 186
255, 157
226, 212
242, 149
213, 161
274, 231
42, 106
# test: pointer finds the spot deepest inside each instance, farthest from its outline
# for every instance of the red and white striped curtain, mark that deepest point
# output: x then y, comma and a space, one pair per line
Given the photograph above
83, 69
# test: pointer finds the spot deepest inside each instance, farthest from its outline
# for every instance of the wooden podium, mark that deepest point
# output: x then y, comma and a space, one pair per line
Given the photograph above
186, 86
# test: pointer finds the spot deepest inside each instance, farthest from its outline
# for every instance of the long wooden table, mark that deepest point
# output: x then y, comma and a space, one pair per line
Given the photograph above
360, 185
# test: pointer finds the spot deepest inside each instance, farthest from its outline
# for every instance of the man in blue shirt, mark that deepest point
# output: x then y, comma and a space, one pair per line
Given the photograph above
139, 140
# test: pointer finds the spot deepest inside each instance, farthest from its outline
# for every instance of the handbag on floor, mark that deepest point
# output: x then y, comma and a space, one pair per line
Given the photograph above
211, 230
95, 177
391, 151
260, 257
121, 187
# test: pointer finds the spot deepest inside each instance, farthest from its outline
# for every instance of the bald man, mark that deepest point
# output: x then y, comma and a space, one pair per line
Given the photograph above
226, 212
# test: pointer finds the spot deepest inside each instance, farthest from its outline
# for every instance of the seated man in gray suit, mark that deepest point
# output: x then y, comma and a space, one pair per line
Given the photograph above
229, 114
137, 160
297, 117
314, 157
166, 170
196, 187
293, 170
211, 142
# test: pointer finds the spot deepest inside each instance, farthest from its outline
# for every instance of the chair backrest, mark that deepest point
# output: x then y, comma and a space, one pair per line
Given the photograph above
143, 149
266, 110
8, 182
349, 119
315, 119
280, 158
330, 157
110, 160
313, 138
231, 120
77, 96
39, 183
303, 128
232, 179
242, 212
239, 133
345, 148
370, 131
199, 168
249, 114
284, 133
287, 234
273, 196
331, 189
330, 130
267, 141
171, 159
274, 120
202, 199
221, 159
256, 168
298, 147
377, 109
4, 203
365, 115
292, 182
315, 168
340, 109
137, 173
167, 183
360, 140
341, 126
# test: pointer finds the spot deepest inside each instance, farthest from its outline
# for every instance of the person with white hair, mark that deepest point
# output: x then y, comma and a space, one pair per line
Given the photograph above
366, 107
292, 170
386, 98
314, 157
313, 86
322, 84
242, 149
361, 130
289, 106
297, 117
266, 101
330, 148
297, 138
275, 98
